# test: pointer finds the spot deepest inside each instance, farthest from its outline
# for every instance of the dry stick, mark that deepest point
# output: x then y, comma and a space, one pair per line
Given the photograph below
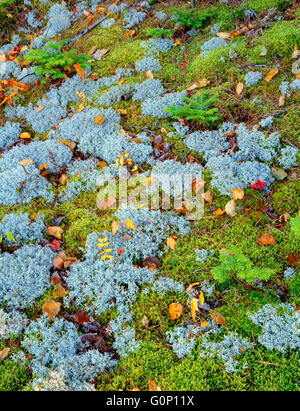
86, 30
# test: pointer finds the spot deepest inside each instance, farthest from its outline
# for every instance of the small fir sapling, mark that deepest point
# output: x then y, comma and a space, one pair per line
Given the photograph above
157, 106
52, 61
235, 263
198, 107
191, 18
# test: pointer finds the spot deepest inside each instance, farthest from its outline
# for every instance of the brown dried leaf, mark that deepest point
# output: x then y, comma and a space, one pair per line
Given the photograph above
219, 319
4, 353
60, 292
63, 179
81, 317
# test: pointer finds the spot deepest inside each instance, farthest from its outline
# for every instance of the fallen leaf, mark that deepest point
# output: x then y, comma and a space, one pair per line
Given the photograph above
263, 52
149, 75
281, 101
145, 321
108, 203
175, 310
218, 212
25, 135
63, 179
55, 231
99, 54
115, 227
58, 262
219, 319
4, 353
51, 308
194, 308
266, 239
68, 143
295, 55
81, 317
129, 224
201, 298
278, 173
237, 194
271, 74
26, 161
60, 292
224, 35
40, 108
204, 323
99, 120
208, 197
239, 88
171, 243
79, 70
153, 386
230, 208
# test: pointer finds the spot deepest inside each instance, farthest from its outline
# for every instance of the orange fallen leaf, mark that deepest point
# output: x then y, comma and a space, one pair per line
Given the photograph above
218, 212
149, 75
171, 243
60, 292
237, 194
79, 70
51, 308
55, 231
175, 310
63, 179
115, 227
266, 239
153, 386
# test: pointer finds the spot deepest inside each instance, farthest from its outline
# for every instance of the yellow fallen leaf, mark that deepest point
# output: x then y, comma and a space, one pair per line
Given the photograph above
204, 323
25, 135
230, 208
129, 224
239, 88
175, 310
201, 298
271, 74
171, 243
208, 197
99, 120
51, 308
237, 194
194, 308
68, 143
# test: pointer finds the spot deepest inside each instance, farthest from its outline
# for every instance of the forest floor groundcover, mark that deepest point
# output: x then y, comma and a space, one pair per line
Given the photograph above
94, 298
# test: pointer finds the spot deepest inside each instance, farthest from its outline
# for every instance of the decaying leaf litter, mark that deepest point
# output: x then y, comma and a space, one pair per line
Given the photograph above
89, 293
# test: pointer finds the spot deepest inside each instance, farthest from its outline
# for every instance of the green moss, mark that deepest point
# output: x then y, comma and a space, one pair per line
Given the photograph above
281, 38
290, 126
286, 197
82, 222
262, 5
152, 362
13, 377
294, 289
